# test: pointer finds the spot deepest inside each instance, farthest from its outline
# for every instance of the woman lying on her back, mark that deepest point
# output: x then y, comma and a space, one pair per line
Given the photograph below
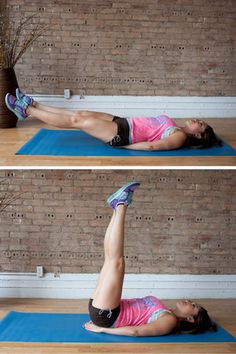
146, 316
146, 133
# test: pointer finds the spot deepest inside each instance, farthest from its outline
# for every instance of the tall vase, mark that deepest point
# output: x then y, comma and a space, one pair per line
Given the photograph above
8, 83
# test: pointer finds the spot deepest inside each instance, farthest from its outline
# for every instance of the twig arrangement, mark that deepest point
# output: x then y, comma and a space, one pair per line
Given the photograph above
6, 198
17, 36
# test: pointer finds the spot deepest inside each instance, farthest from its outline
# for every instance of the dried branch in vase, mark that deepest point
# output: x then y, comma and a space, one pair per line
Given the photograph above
17, 36
7, 198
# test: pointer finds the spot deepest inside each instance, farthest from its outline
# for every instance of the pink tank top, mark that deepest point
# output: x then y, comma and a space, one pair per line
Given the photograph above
136, 312
150, 129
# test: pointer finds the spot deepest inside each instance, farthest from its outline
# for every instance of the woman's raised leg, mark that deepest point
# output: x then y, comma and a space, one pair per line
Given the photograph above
98, 125
108, 291
107, 294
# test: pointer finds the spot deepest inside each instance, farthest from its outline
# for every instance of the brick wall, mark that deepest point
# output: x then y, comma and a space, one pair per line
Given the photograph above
131, 47
180, 222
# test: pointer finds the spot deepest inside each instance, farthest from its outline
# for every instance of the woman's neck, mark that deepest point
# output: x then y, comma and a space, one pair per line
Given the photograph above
185, 130
177, 313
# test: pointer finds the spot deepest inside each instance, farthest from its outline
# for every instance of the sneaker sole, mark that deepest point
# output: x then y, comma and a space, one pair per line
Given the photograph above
122, 189
12, 110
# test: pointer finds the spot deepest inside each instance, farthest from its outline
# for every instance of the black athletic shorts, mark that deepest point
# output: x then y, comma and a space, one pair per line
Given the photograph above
122, 136
103, 318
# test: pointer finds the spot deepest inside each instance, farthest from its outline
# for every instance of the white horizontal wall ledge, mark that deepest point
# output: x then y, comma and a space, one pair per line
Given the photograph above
128, 106
78, 286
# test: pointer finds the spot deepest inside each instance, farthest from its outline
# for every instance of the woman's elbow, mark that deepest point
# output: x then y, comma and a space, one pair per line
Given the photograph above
134, 332
152, 147
130, 331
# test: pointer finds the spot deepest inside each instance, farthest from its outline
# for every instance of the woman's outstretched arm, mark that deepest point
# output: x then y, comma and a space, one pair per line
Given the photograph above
172, 142
164, 325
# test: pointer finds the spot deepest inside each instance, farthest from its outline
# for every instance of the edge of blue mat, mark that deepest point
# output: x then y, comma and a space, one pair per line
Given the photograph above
27, 145
29, 149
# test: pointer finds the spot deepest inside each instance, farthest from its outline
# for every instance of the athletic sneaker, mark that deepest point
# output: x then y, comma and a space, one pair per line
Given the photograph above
26, 99
18, 107
123, 195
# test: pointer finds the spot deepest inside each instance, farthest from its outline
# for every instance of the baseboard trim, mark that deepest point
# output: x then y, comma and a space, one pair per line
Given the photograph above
174, 106
78, 286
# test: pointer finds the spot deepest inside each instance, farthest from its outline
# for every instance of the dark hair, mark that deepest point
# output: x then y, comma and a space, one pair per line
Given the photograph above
208, 139
202, 323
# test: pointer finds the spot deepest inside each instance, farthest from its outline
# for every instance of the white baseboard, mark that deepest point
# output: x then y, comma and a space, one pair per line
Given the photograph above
78, 286
128, 106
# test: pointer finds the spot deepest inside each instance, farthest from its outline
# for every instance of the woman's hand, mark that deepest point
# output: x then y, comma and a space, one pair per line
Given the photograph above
90, 326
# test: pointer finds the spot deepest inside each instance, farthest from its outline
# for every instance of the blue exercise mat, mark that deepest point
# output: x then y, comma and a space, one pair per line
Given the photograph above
44, 327
77, 143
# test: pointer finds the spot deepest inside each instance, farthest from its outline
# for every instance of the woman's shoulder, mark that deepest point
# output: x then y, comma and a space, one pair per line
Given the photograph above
165, 324
174, 140
169, 318
178, 132
177, 136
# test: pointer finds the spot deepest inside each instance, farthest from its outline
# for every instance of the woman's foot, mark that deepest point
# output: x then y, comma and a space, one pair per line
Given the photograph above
26, 99
18, 107
123, 195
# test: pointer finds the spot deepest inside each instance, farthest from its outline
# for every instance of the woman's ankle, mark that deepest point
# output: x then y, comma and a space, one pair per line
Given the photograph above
28, 110
121, 207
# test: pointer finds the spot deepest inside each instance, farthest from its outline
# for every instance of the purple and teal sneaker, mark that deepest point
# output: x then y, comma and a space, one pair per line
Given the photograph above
123, 195
18, 107
26, 99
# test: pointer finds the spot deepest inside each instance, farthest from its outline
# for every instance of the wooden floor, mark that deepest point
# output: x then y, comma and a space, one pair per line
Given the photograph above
223, 311
12, 139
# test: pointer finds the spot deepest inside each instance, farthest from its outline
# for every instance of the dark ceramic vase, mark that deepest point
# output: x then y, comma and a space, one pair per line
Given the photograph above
8, 83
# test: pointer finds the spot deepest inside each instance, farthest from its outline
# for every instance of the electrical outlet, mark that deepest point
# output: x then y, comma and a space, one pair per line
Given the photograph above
67, 94
39, 271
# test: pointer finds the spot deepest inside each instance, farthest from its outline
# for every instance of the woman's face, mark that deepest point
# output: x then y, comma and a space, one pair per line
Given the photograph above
188, 309
195, 127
